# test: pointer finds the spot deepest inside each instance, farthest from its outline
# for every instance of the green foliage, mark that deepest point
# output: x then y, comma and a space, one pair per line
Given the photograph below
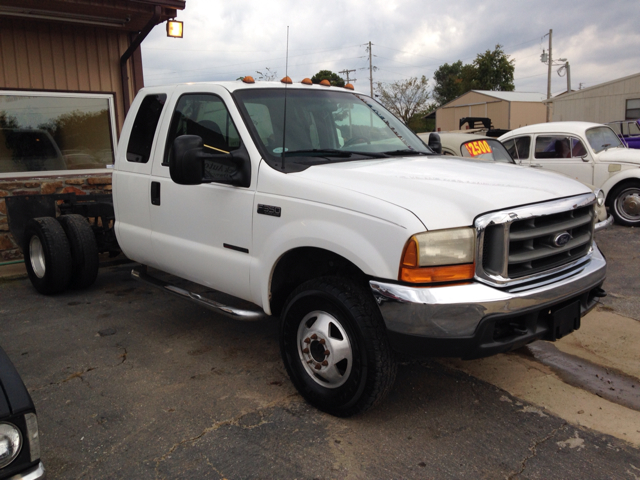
335, 79
494, 71
491, 70
406, 99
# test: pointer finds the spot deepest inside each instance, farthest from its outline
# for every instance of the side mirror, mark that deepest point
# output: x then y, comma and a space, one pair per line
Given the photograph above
434, 143
191, 164
186, 165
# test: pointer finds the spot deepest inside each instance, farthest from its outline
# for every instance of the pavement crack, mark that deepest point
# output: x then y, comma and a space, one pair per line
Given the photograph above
533, 449
235, 421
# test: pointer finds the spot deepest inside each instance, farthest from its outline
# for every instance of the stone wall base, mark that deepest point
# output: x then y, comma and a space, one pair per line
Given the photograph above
78, 184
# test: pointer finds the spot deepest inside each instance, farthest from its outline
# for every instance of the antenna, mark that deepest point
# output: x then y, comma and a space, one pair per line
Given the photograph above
286, 74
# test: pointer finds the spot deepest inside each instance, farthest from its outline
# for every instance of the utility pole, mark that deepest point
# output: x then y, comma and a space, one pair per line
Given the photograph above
370, 71
347, 72
566, 65
549, 78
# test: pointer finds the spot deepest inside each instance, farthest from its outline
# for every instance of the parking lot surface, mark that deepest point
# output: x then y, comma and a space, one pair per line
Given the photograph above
130, 382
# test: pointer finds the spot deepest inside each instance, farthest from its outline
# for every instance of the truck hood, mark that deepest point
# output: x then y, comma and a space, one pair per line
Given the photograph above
620, 155
446, 192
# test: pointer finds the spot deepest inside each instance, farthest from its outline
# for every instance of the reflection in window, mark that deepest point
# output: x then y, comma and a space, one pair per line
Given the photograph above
45, 132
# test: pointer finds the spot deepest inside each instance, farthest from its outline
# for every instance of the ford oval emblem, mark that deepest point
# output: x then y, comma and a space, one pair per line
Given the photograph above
561, 239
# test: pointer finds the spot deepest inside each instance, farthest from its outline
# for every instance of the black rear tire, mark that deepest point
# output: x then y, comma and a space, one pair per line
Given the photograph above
84, 250
47, 255
335, 346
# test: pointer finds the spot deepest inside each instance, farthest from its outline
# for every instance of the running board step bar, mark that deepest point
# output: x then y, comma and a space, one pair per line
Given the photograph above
140, 273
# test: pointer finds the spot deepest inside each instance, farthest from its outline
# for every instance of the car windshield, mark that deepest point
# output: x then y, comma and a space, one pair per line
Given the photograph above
486, 149
324, 126
602, 138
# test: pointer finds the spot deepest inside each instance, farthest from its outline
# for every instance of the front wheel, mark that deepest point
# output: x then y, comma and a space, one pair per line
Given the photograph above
625, 204
335, 347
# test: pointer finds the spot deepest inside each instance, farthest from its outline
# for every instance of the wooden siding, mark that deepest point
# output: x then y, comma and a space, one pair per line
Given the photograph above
59, 57
601, 103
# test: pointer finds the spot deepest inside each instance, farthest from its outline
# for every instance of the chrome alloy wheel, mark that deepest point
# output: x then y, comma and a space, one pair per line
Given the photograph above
36, 255
627, 204
324, 349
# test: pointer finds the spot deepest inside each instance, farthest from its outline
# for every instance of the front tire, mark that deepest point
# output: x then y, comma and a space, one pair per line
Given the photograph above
47, 255
625, 204
335, 347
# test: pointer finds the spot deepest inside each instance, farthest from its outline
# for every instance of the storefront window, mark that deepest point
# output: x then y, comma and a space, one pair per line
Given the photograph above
55, 132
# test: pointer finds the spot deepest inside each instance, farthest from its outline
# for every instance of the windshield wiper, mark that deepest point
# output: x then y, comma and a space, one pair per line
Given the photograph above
406, 151
318, 152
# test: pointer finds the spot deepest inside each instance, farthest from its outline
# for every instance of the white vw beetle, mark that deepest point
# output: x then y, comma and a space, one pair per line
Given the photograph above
589, 152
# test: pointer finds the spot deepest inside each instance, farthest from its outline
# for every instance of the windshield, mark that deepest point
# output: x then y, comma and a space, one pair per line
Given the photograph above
328, 126
486, 149
601, 138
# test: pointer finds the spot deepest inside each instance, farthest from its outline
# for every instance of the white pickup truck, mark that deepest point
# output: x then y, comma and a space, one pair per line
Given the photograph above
317, 206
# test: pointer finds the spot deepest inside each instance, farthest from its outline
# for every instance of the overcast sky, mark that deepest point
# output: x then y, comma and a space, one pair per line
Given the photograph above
224, 40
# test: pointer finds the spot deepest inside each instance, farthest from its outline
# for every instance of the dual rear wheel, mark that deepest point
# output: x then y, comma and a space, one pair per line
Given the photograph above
60, 253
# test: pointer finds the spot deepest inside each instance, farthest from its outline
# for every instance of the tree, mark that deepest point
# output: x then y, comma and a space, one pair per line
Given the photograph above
405, 98
491, 70
448, 79
494, 71
335, 79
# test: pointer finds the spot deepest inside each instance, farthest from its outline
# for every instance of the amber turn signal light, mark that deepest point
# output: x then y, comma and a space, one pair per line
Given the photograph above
411, 272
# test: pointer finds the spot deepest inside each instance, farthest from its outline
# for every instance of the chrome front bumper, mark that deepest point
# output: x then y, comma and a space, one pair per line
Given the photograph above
452, 312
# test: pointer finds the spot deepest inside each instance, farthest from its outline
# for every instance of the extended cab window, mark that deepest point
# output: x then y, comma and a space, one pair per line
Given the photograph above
144, 128
559, 146
206, 116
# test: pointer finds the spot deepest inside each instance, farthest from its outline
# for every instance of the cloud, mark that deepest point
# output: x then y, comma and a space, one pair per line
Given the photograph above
226, 40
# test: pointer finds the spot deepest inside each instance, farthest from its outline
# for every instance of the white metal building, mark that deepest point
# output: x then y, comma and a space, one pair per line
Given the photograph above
615, 100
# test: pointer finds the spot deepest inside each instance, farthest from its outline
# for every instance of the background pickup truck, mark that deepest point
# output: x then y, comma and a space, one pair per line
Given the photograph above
315, 205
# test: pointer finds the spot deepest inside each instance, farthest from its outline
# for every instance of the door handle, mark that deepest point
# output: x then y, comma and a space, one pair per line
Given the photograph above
536, 165
155, 193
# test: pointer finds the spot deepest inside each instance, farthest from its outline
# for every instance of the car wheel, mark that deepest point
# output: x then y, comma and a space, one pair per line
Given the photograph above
335, 347
47, 255
625, 204
84, 250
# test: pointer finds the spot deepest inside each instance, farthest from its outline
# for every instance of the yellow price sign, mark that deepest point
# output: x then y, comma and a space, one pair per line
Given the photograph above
478, 147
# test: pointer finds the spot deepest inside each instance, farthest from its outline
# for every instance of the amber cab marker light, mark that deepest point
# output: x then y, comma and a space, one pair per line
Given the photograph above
307, 81
325, 83
248, 79
349, 86
286, 80
174, 29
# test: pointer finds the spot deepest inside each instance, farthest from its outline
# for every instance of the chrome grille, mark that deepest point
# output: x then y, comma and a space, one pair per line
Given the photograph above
534, 241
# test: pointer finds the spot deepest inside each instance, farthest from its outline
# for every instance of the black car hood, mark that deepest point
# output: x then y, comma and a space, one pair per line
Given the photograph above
14, 397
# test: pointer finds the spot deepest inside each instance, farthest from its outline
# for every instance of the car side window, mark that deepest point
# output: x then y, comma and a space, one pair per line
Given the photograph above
518, 147
206, 116
559, 146
144, 128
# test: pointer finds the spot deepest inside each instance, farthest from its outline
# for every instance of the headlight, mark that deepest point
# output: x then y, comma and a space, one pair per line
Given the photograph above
439, 256
10, 443
599, 197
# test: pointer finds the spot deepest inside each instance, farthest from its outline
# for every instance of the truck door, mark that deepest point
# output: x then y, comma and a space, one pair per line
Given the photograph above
201, 232
131, 176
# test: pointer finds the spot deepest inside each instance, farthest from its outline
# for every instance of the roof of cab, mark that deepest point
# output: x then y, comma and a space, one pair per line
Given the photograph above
240, 85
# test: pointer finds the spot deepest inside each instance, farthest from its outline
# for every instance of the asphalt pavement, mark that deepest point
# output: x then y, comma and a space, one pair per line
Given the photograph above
130, 382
